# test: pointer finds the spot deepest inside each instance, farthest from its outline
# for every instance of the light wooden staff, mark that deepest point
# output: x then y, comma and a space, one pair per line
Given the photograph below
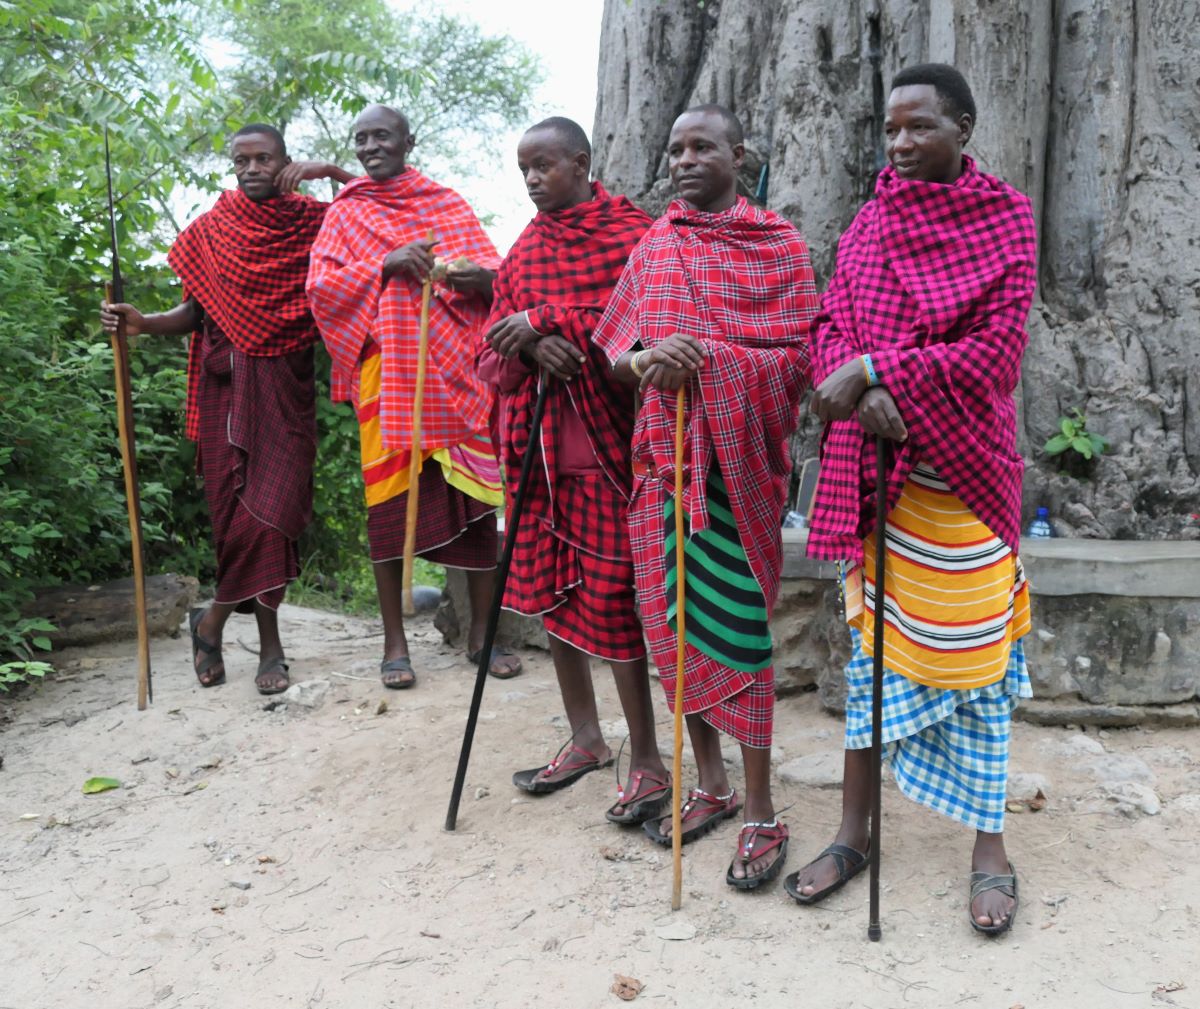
414, 465
680, 650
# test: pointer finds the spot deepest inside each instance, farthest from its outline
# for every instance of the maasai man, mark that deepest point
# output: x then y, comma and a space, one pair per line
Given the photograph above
717, 300
368, 265
571, 563
250, 404
919, 342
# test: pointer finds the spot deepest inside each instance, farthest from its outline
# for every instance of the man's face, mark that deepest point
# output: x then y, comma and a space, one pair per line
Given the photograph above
924, 142
382, 143
552, 176
702, 162
257, 159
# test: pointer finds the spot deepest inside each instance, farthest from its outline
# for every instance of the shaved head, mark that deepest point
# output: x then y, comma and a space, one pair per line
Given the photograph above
395, 114
569, 133
733, 125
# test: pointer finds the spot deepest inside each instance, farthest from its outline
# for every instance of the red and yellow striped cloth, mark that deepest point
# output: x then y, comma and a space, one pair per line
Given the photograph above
956, 597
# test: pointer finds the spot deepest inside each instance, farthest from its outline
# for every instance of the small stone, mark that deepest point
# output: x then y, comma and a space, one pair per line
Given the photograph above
817, 770
1076, 744
1117, 768
1045, 636
1132, 798
239, 884
426, 598
676, 931
1083, 663
482, 792
308, 694
1026, 785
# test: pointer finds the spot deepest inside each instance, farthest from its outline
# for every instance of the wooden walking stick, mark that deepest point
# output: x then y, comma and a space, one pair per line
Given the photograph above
511, 522
680, 654
874, 932
114, 293
414, 465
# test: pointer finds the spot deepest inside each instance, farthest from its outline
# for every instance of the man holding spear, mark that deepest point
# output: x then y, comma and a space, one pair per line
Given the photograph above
716, 299
250, 406
369, 267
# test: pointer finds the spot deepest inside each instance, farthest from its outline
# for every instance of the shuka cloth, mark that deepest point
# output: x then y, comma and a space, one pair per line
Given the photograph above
571, 562
956, 599
366, 221
245, 263
935, 283
257, 442
948, 749
740, 281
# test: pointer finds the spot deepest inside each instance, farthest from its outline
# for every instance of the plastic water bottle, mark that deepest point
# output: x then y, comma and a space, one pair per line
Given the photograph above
1040, 528
794, 520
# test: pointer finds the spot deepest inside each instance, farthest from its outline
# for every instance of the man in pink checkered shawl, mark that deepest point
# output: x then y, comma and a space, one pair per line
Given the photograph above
919, 341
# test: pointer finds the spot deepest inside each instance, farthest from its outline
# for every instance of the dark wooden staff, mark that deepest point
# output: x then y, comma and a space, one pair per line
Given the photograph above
114, 293
874, 932
511, 522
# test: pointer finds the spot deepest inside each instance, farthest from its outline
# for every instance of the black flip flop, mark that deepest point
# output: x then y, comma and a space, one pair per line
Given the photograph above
270, 666
400, 665
531, 781
212, 653
1006, 883
843, 855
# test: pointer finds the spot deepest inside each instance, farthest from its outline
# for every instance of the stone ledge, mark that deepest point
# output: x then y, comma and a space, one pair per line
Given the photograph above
1112, 716
1062, 567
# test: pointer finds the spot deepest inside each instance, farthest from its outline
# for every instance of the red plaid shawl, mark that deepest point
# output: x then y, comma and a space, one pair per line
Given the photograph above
741, 281
245, 263
562, 271
935, 283
365, 222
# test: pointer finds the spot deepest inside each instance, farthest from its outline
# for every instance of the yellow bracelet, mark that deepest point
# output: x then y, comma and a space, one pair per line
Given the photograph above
633, 364
866, 370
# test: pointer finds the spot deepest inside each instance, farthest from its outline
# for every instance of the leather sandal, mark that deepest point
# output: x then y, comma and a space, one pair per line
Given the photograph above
702, 810
268, 667
1006, 883
573, 759
211, 652
848, 862
641, 806
404, 667
499, 673
754, 841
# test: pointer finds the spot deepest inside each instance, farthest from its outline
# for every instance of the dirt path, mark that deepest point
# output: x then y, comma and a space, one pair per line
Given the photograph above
357, 898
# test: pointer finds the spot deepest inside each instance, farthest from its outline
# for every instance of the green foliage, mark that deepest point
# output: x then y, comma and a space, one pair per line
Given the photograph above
172, 79
1073, 436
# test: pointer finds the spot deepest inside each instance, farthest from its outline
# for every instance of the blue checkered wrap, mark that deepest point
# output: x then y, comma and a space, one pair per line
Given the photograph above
948, 749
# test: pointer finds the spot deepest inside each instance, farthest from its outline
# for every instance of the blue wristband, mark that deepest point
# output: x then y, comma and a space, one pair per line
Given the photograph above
869, 368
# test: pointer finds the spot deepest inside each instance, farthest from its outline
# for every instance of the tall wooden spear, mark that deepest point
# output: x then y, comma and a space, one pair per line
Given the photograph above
414, 465
115, 294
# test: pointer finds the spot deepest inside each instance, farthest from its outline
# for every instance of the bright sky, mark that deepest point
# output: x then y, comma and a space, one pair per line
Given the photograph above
565, 38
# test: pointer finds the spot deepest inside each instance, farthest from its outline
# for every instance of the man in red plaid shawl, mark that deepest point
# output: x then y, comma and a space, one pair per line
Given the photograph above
716, 299
368, 266
919, 342
250, 404
571, 563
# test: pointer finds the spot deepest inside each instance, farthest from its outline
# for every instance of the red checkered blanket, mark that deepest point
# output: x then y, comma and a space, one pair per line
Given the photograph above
935, 283
365, 222
245, 263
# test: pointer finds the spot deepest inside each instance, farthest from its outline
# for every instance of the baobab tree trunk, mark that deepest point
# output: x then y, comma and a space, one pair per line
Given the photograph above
1092, 107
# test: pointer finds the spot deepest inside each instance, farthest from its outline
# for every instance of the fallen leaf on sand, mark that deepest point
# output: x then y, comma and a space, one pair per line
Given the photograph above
1038, 802
29, 816
626, 988
94, 785
1015, 807
209, 763
198, 787
264, 859
381, 709
1170, 986
617, 855
172, 772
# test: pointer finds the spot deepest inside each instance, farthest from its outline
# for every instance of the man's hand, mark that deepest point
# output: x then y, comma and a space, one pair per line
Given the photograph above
111, 315
558, 356
878, 414
469, 277
415, 259
673, 363
291, 175
837, 397
512, 335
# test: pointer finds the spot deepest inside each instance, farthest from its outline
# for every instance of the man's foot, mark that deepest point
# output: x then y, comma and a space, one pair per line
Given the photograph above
206, 655
993, 885
272, 676
397, 674
643, 797
827, 872
762, 849
700, 813
504, 664
571, 764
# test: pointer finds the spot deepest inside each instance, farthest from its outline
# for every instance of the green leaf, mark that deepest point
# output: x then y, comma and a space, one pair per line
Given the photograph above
94, 785
1057, 445
41, 643
1082, 445
1067, 426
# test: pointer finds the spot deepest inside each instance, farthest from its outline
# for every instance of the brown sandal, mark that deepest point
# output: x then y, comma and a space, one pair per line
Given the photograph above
754, 841
212, 653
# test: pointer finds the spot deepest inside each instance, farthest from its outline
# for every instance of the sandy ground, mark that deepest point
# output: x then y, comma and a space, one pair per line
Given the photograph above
358, 898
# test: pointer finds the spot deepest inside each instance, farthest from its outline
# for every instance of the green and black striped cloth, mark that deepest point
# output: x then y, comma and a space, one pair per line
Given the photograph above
726, 613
